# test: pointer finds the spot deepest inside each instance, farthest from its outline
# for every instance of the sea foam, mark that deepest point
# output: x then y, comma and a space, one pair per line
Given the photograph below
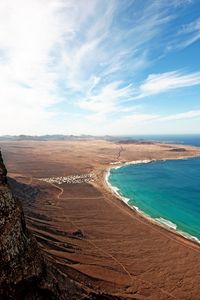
167, 223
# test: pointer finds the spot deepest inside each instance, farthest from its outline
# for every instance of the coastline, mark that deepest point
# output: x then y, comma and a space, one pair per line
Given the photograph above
93, 236
160, 222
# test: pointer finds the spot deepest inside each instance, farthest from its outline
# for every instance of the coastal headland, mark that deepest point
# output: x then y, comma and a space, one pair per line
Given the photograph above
87, 231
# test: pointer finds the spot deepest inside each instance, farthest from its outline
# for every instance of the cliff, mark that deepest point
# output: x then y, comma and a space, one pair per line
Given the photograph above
23, 270
3, 172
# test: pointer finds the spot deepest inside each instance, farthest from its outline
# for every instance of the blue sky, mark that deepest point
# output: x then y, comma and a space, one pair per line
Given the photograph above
99, 67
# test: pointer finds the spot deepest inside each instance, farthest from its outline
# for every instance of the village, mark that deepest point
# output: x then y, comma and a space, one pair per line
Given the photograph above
71, 179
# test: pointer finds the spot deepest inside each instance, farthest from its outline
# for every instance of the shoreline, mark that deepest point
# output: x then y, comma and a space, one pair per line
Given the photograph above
94, 237
160, 222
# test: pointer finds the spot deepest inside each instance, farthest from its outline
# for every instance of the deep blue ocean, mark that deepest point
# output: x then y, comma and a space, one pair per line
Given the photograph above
167, 191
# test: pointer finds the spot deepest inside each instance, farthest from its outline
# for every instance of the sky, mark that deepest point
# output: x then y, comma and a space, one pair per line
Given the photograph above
116, 67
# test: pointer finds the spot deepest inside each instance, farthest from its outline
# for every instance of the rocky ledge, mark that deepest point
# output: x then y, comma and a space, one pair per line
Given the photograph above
23, 270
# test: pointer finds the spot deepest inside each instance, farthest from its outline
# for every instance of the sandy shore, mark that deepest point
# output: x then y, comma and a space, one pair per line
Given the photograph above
88, 232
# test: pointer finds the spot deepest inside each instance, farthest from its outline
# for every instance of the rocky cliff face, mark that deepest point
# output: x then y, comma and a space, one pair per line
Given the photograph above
3, 172
23, 271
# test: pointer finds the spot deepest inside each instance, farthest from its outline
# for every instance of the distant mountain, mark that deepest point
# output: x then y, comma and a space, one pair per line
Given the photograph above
54, 137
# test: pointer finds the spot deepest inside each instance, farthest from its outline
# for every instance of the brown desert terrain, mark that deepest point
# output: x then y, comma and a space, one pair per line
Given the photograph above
90, 234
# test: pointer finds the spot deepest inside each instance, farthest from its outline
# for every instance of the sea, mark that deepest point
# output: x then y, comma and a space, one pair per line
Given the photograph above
166, 191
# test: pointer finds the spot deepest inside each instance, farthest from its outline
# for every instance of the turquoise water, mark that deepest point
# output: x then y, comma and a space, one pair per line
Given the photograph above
164, 190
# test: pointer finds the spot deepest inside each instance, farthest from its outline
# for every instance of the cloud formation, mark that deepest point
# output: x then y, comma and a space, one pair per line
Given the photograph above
60, 59
159, 83
193, 114
188, 34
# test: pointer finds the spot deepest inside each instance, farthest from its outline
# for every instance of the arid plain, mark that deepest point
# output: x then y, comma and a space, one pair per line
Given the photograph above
90, 234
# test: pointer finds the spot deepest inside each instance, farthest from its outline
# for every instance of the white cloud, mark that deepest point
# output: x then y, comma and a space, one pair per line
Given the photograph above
32, 32
138, 117
105, 101
80, 55
141, 117
159, 83
193, 114
190, 33
144, 123
29, 30
103, 50
186, 35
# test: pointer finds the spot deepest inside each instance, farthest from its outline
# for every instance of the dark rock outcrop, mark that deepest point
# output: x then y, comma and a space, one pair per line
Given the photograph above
3, 172
23, 270
178, 150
